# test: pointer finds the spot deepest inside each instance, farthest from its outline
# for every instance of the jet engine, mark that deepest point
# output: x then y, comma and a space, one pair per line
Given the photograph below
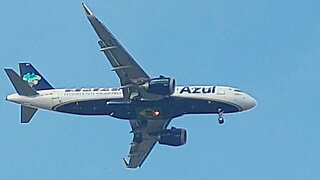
162, 86
173, 137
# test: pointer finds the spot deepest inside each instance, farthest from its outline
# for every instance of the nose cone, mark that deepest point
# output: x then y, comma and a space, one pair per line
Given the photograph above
249, 103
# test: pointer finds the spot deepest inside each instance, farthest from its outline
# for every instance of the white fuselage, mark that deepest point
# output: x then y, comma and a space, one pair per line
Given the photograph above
50, 99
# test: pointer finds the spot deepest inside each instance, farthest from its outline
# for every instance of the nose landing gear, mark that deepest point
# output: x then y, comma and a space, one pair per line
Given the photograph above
220, 118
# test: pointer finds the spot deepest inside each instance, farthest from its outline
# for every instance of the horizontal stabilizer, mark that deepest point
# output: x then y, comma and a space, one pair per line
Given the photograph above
21, 86
27, 113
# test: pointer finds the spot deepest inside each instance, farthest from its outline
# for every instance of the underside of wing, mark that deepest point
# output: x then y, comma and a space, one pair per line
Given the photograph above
121, 61
144, 139
135, 83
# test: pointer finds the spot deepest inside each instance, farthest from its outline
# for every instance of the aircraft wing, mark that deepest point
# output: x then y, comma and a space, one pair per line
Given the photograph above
143, 140
129, 72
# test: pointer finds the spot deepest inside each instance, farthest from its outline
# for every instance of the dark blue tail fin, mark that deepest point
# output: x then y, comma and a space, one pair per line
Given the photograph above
33, 77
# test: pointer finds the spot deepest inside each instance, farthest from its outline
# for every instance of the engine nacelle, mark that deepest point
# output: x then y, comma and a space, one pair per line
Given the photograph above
173, 137
162, 86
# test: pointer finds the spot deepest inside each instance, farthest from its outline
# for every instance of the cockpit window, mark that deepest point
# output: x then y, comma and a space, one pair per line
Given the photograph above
237, 90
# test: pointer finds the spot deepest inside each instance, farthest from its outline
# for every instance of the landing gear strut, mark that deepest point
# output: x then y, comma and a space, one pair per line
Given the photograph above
220, 118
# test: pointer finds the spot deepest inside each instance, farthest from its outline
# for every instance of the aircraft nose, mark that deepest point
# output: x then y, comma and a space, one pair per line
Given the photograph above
249, 103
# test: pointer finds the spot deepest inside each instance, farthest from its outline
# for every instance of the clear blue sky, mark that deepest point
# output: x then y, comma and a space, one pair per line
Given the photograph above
268, 48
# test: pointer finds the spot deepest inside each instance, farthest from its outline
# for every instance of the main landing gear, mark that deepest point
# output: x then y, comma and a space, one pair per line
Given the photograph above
220, 118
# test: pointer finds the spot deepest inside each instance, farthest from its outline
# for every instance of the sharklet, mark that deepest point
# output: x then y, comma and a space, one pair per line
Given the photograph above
87, 10
125, 162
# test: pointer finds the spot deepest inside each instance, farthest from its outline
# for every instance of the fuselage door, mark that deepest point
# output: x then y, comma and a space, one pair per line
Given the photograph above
55, 97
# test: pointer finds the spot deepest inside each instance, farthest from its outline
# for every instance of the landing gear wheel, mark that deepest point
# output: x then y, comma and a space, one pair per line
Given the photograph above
220, 120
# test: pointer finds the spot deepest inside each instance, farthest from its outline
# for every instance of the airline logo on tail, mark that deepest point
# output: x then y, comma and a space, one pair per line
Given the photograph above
32, 79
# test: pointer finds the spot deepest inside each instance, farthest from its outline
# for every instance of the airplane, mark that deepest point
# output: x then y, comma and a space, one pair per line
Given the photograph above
149, 104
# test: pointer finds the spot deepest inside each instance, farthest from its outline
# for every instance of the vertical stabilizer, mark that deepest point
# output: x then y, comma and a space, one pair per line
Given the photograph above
33, 77
27, 113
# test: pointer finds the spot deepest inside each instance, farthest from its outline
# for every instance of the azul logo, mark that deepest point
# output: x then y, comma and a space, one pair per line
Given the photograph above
197, 90
32, 79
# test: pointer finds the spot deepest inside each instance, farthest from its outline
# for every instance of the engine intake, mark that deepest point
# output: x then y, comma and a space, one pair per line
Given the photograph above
173, 137
162, 86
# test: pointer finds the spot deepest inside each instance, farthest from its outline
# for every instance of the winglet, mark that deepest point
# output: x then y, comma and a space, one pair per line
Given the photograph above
125, 162
87, 10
